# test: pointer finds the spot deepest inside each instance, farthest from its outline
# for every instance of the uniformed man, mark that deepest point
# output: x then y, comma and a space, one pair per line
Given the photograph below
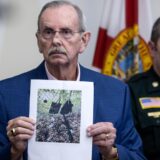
145, 93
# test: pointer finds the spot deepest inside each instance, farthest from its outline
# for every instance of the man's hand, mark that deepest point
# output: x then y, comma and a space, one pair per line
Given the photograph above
19, 130
104, 135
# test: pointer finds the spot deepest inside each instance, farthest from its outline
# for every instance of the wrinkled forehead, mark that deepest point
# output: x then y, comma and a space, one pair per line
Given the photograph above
61, 15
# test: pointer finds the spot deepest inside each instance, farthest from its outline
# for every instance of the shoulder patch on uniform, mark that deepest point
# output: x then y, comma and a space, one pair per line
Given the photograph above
149, 102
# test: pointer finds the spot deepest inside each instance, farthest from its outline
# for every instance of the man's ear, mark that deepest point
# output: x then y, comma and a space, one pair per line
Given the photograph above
84, 41
38, 42
152, 46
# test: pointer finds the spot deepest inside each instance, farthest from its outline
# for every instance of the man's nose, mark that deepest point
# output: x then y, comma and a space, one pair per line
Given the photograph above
56, 38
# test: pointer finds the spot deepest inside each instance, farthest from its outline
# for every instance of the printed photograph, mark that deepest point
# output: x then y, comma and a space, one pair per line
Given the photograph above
58, 116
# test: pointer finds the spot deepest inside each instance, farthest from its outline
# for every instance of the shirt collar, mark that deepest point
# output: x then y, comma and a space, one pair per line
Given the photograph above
51, 77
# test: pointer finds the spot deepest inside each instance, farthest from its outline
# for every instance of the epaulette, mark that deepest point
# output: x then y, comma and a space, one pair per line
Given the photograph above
138, 77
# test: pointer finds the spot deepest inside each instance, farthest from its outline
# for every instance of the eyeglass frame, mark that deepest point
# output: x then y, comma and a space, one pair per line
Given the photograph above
61, 33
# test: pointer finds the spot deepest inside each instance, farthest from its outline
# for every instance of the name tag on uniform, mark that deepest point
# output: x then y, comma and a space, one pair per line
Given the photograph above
154, 114
149, 102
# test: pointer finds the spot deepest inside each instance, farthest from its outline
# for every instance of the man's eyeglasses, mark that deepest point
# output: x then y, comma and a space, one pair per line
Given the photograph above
63, 33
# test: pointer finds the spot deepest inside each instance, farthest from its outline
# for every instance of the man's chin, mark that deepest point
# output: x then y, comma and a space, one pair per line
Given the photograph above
58, 63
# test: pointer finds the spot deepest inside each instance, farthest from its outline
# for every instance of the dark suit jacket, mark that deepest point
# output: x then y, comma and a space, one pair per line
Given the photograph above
111, 104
